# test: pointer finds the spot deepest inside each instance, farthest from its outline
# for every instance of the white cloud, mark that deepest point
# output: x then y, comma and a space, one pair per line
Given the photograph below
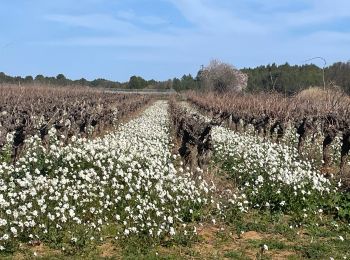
131, 16
253, 16
208, 17
143, 40
319, 12
261, 35
102, 22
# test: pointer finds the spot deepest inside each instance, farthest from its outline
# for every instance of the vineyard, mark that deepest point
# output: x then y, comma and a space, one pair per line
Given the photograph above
98, 175
78, 112
324, 119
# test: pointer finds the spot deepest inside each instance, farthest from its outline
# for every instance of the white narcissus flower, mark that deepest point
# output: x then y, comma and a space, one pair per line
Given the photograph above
90, 179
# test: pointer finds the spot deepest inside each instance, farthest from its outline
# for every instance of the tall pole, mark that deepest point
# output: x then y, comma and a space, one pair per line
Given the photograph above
324, 65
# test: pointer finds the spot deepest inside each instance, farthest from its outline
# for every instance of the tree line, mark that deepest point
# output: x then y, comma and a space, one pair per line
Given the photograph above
291, 79
283, 78
59, 80
135, 82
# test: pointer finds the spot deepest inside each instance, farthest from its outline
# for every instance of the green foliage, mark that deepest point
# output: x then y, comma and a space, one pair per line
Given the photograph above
290, 79
314, 251
238, 255
339, 74
272, 244
28, 79
59, 80
344, 205
5, 154
39, 78
187, 82
136, 82
283, 78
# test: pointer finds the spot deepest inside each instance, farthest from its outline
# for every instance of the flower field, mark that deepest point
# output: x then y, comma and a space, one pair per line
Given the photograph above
271, 174
272, 177
127, 179
77, 112
130, 188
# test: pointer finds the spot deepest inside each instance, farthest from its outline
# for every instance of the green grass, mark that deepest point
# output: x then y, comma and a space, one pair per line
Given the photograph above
238, 255
307, 242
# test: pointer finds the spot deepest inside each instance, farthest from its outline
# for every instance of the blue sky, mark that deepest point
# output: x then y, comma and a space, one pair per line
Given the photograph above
161, 39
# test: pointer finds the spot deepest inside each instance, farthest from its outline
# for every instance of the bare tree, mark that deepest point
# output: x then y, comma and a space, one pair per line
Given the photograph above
222, 77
